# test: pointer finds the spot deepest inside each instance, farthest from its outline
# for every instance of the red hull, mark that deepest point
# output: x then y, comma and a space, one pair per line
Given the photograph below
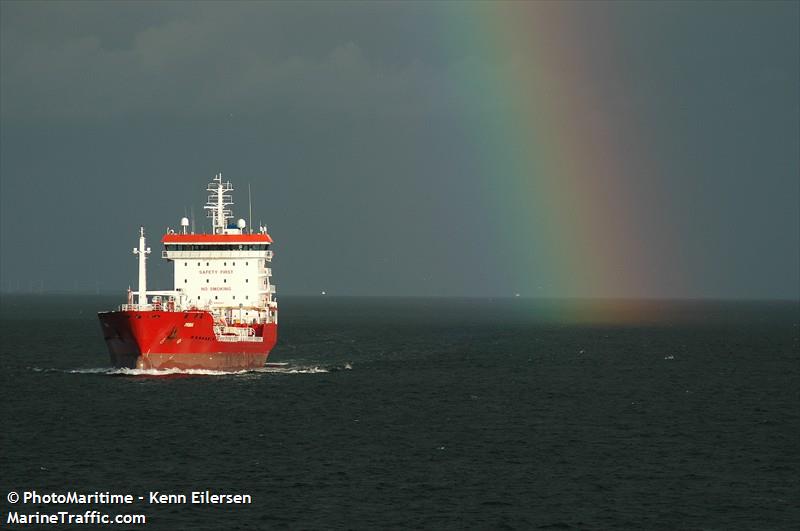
179, 340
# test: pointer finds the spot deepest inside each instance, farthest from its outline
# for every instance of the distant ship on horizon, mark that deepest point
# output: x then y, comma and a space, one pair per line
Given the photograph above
222, 313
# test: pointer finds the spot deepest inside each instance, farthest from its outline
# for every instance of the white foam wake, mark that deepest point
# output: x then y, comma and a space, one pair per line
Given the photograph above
274, 368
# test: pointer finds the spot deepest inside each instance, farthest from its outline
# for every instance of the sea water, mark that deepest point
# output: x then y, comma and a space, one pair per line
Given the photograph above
423, 413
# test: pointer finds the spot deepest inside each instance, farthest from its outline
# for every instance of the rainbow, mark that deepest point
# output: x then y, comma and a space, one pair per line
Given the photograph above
561, 173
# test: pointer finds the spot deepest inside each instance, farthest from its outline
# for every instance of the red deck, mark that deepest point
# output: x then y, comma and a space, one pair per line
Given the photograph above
179, 340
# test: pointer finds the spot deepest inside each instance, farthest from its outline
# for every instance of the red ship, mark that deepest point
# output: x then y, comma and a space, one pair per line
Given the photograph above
221, 314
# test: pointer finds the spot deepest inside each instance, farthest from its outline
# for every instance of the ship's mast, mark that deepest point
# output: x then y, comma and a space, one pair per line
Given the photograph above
217, 201
142, 251
220, 207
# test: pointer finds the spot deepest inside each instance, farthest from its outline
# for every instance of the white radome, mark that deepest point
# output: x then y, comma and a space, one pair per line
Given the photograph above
184, 222
241, 223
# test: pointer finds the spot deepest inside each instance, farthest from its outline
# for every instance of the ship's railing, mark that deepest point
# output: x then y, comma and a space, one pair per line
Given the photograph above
156, 305
235, 330
135, 307
172, 255
236, 339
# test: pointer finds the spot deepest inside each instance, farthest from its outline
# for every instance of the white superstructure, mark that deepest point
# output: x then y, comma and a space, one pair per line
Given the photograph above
227, 271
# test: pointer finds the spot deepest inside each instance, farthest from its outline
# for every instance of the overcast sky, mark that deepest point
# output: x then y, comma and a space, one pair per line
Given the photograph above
347, 119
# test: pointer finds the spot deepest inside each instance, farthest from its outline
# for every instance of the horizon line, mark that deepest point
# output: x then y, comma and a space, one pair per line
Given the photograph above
645, 298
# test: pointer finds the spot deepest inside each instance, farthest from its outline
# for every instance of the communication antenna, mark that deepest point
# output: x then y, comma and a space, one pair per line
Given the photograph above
249, 209
192, 219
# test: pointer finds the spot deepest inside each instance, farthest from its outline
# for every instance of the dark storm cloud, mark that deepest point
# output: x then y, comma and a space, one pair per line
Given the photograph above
134, 105
94, 61
349, 121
